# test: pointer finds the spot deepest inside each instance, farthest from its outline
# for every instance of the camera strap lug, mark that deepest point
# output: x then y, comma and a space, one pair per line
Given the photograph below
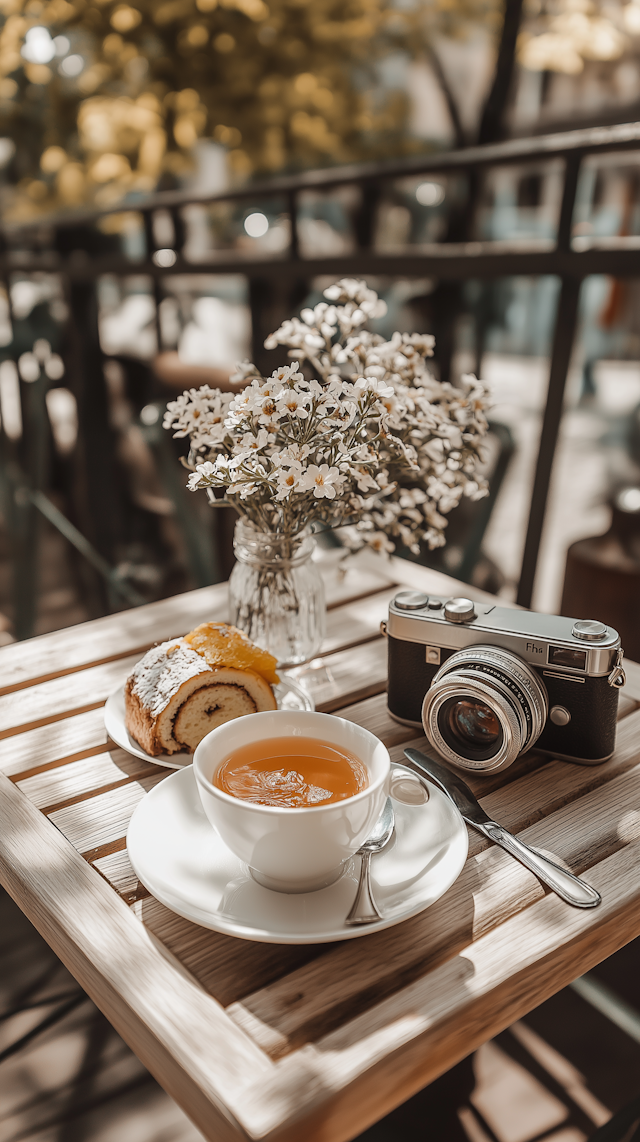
383, 628
617, 676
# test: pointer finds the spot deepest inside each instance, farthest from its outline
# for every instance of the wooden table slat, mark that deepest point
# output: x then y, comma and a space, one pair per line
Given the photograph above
51, 701
83, 779
221, 964
72, 738
103, 819
116, 869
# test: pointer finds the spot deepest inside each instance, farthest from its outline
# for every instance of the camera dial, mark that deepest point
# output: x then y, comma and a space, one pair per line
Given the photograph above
589, 630
484, 708
411, 601
459, 610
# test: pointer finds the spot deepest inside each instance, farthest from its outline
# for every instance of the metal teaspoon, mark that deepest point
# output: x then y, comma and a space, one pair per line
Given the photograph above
364, 910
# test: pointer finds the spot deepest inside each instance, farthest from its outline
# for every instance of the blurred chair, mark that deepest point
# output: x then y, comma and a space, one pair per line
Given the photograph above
602, 574
172, 373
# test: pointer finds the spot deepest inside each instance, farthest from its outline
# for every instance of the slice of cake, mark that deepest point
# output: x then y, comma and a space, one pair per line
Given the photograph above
186, 687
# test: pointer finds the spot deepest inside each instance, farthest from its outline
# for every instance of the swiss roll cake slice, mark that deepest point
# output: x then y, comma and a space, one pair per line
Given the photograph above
176, 694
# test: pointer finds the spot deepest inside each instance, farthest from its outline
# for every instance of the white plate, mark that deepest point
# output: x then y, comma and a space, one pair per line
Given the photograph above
183, 862
289, 696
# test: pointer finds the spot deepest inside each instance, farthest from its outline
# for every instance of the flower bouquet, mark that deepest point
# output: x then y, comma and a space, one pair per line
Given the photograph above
355, 434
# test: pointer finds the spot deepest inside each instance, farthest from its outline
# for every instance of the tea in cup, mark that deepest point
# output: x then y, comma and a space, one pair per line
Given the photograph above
293, 794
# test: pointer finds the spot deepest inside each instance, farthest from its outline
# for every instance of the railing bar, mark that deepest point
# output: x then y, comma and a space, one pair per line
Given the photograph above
567, 207
542, 148
450, 263
156, 283
589, 988
560, 358
559, 366
294, 237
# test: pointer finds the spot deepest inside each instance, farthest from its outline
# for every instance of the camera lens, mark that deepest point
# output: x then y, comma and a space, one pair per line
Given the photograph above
484, 708
470, 723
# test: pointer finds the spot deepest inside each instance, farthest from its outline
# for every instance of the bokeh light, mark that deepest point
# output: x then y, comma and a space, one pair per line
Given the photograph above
256, 225
430, 194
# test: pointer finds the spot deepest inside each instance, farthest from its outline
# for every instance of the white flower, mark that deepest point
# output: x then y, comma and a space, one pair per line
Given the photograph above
364, 480
322, 317
423, 343
434, 449
244, 371
287, 373
291, 332
268, 409
324, 480
353, 290
204, 476
345, 413
242, 404
292, 403
452, 434
231, 463
373, 385
253, 442
380, 543
199, 414
288, 479
298, 336
292, 452
244, 490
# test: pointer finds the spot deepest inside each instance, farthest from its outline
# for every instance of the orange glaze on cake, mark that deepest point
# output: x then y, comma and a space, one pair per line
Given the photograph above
221, 644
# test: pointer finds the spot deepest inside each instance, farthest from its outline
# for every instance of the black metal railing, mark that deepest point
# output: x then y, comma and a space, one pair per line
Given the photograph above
63, 245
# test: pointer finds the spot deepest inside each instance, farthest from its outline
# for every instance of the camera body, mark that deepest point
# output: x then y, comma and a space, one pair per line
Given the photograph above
489, 682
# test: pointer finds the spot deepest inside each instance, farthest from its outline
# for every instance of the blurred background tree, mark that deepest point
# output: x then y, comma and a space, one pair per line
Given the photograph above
561, 36
102, 98
105, 98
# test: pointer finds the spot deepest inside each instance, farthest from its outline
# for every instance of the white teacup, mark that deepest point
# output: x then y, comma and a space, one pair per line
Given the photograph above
293, 850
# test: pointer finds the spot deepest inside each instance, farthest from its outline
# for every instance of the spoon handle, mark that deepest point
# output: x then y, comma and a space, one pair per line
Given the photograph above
364, 910
569, 887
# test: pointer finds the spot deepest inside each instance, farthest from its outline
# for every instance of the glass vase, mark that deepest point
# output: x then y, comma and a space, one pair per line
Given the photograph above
276, 593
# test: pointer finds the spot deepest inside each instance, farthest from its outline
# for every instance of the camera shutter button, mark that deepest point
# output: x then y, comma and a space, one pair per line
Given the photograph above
559, 716
459, 610
589, 630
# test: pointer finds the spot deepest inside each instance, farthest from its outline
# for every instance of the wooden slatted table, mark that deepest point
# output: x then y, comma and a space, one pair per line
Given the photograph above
263, 1041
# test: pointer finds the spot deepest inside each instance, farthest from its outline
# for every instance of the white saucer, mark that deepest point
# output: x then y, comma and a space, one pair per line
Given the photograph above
290, 695
180, 858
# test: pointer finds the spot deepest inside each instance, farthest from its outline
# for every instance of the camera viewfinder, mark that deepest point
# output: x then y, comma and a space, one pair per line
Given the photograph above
565, 656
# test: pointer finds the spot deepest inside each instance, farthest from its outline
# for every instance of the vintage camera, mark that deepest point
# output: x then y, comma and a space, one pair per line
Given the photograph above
489, 682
